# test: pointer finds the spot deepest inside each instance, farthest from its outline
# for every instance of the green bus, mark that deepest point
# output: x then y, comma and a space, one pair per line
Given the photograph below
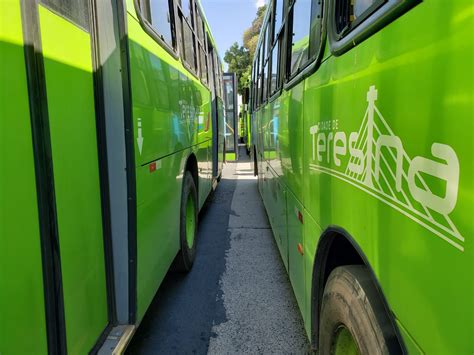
362, 114
112, 138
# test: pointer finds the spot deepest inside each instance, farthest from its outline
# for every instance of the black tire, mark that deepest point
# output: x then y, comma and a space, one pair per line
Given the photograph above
351, 306
185, 259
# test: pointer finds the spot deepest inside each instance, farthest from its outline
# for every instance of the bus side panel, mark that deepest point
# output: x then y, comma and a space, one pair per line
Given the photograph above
158, 200
296, 251
204, 143
158, 215
291, 139
273, 130
260, 149
203, 152
157, 120
171, 118
311, 234
70, 90
264, 168
273, 191
275, 202
416, 95
22, 309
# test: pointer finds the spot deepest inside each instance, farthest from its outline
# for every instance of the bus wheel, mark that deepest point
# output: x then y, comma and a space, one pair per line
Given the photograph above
348, 323
188, 225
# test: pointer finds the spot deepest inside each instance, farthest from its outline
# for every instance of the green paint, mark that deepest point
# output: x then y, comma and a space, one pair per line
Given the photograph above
230, 157
173, 109
345, 343
22, 312
424, 96
170, 105
69, 85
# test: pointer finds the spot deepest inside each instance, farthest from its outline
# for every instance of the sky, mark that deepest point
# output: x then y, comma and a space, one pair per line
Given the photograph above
228, 19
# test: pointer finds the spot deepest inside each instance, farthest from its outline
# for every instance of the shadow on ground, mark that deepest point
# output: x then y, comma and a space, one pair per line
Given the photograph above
186, 307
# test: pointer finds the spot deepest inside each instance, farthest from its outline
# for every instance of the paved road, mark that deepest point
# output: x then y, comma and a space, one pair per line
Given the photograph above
237, 298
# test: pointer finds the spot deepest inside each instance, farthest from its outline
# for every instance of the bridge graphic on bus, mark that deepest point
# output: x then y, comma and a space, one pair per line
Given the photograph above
379, 165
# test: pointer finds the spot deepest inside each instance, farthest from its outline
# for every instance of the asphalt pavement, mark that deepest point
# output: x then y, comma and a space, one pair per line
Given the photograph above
237, 299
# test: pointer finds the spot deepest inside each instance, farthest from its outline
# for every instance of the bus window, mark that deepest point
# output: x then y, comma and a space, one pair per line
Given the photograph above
204, 69
212, 69
274, 86
204, 65
257, 79
265, 81
279, 30
200, 26
264, 44
262, 69
300, 39
361, 6
268, 38
189, 45
160, 19
253, 88
349, 13
354, 21
316, 29
186, 7
279, 6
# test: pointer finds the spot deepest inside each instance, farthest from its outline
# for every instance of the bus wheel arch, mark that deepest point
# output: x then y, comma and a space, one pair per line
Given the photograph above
192, 166
337, 248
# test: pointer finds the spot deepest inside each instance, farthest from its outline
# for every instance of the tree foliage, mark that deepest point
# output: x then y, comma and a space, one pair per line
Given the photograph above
251, 34
239, 58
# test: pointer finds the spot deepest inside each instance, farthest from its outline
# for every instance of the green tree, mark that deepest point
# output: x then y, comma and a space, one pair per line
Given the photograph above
239, 58
251, 34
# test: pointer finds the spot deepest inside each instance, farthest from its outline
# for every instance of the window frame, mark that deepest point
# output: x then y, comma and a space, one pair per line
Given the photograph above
267, 33
212, 71
218, 79
151, 31
272, 92
366, 14
370, 22
276, 30
182, 21
278, 36
177, 50
252, 81
315, 59
311, 56
201, 44
258, 75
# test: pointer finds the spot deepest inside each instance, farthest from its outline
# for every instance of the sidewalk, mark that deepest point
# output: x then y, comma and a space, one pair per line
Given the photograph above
237, 298
261, 311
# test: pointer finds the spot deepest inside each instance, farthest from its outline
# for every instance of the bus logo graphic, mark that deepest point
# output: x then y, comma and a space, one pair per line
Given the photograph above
377, 163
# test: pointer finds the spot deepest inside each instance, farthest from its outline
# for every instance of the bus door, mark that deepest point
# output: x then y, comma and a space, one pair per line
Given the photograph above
65, 41
22, 306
